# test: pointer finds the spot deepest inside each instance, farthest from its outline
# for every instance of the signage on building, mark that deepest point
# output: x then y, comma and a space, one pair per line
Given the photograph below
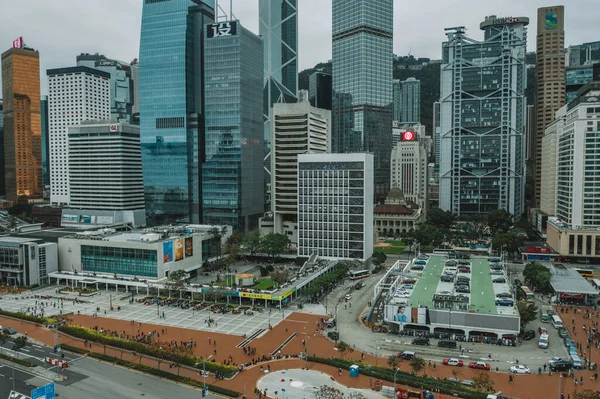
113, 127
106, 63
408, 136
228, 28
504, 21
551, 20
18, 43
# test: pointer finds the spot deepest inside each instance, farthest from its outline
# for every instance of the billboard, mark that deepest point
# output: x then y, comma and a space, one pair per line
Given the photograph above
179, 249
408, 136
403, 314
167, 251
104, 219
85, 219
70, 218
189, 247
220, 29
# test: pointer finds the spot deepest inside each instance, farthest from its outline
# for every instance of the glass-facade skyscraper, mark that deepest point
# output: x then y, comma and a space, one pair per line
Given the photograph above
45, 140
411, 101
232, 176
396, 100
362, 82
482, 119
171, 107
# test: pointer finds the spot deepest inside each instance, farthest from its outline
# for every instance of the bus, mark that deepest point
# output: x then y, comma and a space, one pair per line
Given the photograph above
557, 321
587, 273
359, 274
527, 293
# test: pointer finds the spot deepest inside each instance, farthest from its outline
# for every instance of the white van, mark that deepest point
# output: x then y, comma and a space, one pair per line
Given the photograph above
557, 321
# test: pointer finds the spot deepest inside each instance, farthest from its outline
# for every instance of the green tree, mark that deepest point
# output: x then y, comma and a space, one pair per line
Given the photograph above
252, 242
217, 235
511, 241
417, 364
527, 311
19, 344
177, 279
393, 362
483, 381
538, 277
3, 339
280, 276
233, 255
441, 219
379, 258
499, 220
342, 348
273, 244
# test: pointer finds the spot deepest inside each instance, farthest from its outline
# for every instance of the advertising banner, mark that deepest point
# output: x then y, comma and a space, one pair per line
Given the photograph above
255, 295
104, 219
179, 249
70, 218
85, 219
398, 314
189, 247
168, 251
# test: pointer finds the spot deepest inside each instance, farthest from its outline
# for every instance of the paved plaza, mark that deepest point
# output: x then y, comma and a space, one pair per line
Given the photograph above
233, 324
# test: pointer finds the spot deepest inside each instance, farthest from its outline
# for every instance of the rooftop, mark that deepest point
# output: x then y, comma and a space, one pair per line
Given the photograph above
569, 281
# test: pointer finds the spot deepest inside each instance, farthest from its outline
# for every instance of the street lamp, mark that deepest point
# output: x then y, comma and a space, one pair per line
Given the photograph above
395, 372
203, 368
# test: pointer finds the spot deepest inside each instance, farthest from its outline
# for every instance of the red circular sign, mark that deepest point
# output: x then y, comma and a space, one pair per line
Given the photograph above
408, 136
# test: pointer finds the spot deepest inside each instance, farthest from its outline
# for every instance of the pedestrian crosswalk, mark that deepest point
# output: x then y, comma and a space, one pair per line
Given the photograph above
17, 395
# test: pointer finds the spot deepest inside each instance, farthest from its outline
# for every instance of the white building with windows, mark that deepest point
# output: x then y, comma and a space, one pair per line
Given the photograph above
27, 261
335, 205
408, 169
75, 94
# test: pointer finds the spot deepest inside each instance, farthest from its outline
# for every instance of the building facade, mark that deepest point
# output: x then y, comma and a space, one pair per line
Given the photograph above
27, 261
171, 84
362, 82
121, 83
396, 100
22, 124
135, 79
105, 166
232, 176
482, 119
45, 141
578, 76
2, 174
583, 54
436, 130
411, 101
408, 169
530, 133
397, 216
549, 159
550, 69
319, 90
296, 129
75, 94
335, 205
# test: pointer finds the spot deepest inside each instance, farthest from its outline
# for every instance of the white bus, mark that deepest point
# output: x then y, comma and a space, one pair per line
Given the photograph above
359, 274
527, 293
556, 321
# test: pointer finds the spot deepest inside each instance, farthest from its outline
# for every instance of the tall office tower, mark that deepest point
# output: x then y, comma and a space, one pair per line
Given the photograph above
45, 141
578, 76
583, 54
232, 176
2, 176
297, 128
22, 123
135, 78
548, 178
319, 90
411, 101
409, 168
121, 84
530, 133
482, 118
550, 68
278, 27
436, 131
75, 94
362, 82
172, 107
396, 100
335, 211
110, 150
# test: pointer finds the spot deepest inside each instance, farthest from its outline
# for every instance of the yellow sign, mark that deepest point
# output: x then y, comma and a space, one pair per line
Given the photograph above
286, 295
254, 295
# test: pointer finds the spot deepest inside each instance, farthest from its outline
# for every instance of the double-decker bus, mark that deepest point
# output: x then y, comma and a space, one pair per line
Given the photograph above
359, 274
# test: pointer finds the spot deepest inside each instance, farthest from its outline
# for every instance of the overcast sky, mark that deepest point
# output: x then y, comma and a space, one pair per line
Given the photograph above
62, 29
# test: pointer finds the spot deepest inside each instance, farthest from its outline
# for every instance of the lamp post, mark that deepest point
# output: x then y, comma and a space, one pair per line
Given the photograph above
270, 318
204, 369
395, 373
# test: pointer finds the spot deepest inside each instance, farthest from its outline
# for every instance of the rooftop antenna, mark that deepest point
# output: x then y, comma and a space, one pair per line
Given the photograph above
220, 13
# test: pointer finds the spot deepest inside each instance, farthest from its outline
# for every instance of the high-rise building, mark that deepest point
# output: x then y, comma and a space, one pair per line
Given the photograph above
278, 27
75, 94
578, 76
396, 100
530, 133
232, 176
409, 168
319, 90
172, 107
548, 178
121, 84
335, 205
2, 176
362, 82
22, 124
436, 130
45, 141
411, 101
297, 128
583, 54
482, 119
550, 69
135, 78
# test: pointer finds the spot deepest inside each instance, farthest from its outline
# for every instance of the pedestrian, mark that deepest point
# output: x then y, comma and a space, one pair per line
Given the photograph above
544, 367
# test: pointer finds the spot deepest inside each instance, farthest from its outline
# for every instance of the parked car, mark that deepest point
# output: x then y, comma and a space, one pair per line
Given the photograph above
9, 331
529, 335
555, 360
504, 295
421, 341
333, 335
446, 278
348, 297
453, 362
497, 272
463, 279
562, 332
418, 267
447, 343
479, 365
464, 270
464, 262
499, 280
451, 262
520, 369
463, 289
504, 302
406, 355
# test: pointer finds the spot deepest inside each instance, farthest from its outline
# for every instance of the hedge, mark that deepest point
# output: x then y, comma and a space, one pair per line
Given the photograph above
25, 316
404, 378
188, 360
164, 374
18, 361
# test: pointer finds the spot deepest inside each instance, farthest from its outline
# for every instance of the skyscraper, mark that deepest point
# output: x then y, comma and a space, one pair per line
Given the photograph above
45, 140
436, 131
232, 176
583, 54
482, 115
319, 90
550, 69
278, 27
362, 82
411, 101
135, 78
22, 123
2, 176
75, 94
171, 107
397, 100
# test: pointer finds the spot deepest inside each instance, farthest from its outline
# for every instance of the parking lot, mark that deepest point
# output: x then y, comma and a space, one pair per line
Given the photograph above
235, 324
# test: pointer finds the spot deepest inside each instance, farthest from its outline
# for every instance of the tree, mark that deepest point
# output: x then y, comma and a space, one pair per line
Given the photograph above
528, 312
538, 277
177, 279
379, 258
233, 255
585, 394
342, 348
456, 372
19, 343
217, 235
252, 242
3, 339
441, 219
393, 362
511, 241
274, 244
483, 382
499, 220
280, 276
327, 392
417, 364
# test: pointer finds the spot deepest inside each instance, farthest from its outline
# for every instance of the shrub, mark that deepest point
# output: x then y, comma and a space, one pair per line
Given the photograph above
18, 361
25, 316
